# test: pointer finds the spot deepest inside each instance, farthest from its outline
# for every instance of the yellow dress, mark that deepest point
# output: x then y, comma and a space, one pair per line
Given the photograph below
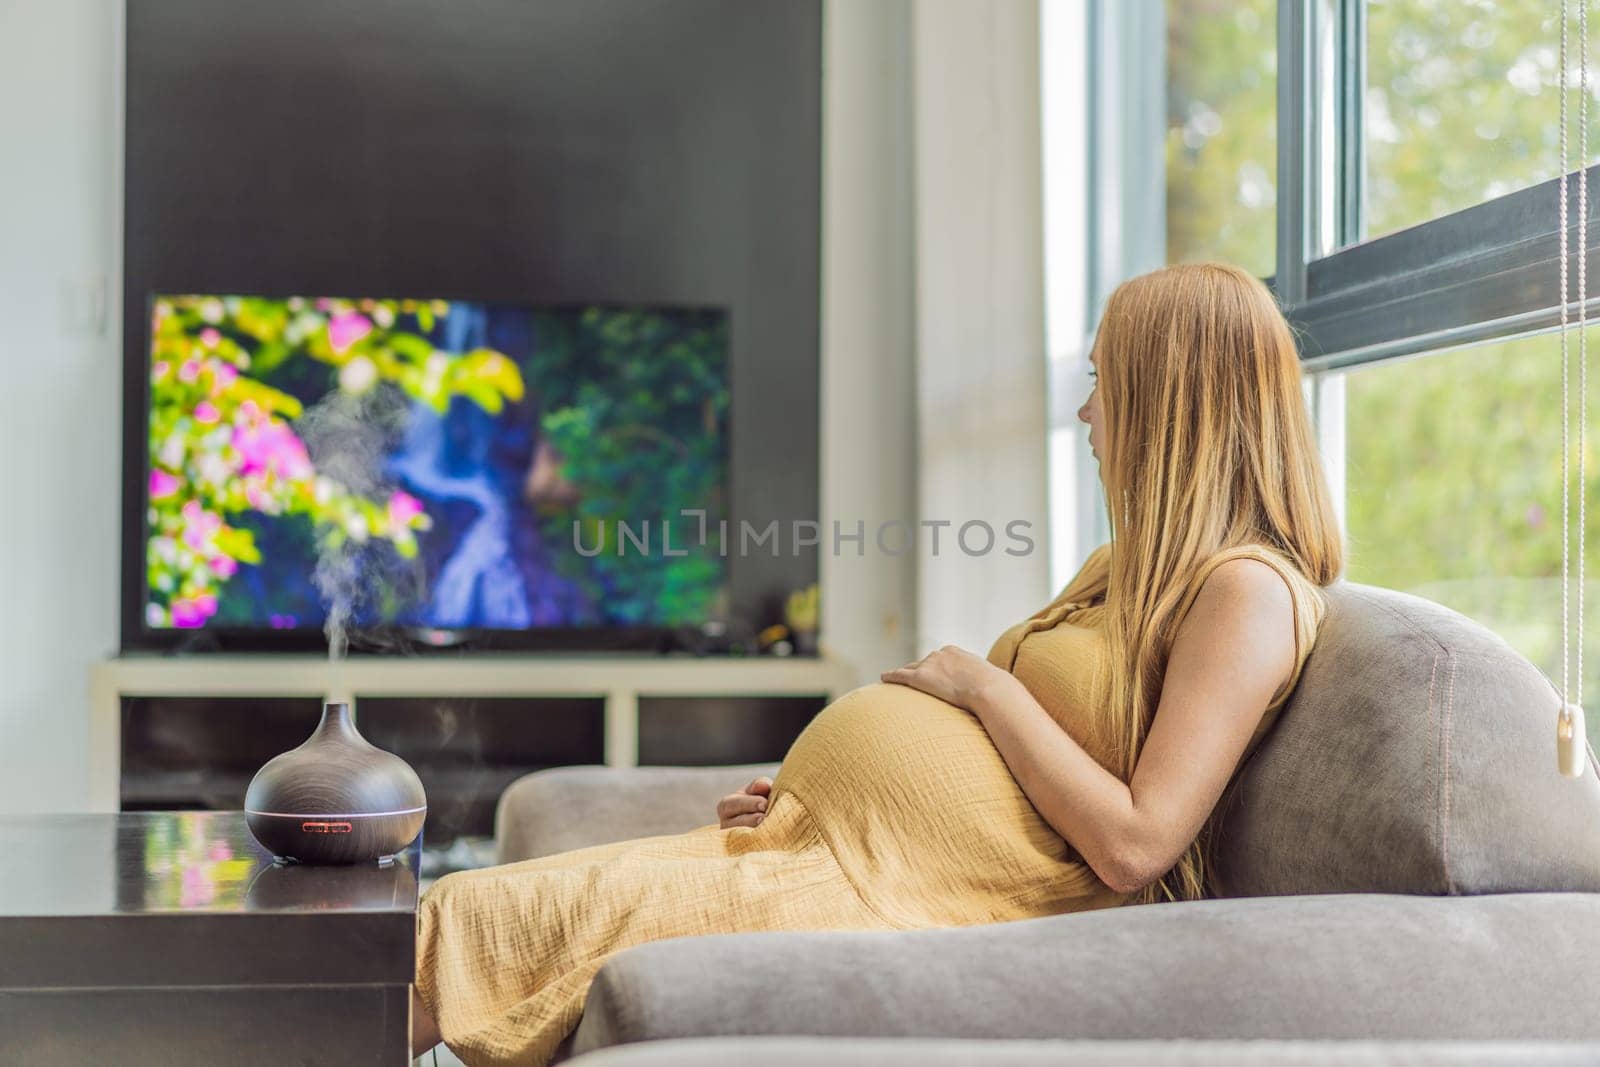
892, 810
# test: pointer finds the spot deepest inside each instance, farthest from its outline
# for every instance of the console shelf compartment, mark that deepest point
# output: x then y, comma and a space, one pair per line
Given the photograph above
619, 682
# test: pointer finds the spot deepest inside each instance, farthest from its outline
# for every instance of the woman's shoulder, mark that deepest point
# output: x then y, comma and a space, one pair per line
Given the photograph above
1273, 588
1253, 579
1263, 566
1252, 562
1261, 574
1307, 594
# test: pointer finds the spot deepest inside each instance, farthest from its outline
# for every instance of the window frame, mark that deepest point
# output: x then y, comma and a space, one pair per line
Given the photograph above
1485, 273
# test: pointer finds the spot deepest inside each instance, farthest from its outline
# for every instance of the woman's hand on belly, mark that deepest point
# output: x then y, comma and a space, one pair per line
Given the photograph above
950, 673
746, 807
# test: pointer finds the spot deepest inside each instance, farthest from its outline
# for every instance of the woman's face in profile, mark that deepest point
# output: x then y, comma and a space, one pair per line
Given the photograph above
1090, 413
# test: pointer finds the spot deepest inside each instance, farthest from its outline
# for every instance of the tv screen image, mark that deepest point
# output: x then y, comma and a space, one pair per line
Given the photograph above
518, 440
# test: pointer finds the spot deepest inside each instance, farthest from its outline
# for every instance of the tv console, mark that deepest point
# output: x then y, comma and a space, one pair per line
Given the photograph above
619, 682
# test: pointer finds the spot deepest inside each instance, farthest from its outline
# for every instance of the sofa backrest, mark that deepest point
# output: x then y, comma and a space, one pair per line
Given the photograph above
1416, 755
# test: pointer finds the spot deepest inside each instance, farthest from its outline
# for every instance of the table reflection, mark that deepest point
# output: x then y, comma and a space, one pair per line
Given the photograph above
189, 863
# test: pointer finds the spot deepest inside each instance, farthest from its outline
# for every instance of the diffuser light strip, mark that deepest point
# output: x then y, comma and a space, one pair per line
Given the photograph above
324, 815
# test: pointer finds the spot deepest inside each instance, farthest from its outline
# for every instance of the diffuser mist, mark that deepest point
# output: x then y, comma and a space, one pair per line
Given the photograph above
336, 798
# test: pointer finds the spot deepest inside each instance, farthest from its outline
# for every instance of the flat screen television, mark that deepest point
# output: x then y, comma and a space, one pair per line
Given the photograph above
498, 475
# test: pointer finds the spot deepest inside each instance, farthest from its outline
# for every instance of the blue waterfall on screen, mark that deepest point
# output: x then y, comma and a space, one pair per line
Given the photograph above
467, 467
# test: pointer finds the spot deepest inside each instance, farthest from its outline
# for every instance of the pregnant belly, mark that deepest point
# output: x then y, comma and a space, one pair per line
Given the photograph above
923, 813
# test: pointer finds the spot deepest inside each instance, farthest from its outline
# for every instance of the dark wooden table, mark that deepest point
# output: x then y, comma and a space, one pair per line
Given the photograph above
170, 938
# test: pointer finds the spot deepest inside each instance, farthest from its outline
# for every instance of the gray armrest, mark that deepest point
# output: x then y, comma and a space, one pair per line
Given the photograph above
1339, 966
565, 808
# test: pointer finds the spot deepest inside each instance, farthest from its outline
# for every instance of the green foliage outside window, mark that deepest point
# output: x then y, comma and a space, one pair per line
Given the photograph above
1222, 134
1460, 105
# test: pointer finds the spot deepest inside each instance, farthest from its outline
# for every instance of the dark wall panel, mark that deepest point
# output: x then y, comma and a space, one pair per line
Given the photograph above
522, 150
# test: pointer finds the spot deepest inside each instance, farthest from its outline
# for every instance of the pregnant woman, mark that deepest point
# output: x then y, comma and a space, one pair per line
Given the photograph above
1075, 766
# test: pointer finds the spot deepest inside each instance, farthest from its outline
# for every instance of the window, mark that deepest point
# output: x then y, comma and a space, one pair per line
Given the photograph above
1454, 489
1433, 308
1221, 133
1392, 165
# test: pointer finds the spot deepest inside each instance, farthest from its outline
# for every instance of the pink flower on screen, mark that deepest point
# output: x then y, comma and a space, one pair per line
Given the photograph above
210, 338
158, 370
189, 371
268, 446
186, 615
346, 328
222, 376
206, 603
223, 566
206, 413
162, 484
199, 525
403, 507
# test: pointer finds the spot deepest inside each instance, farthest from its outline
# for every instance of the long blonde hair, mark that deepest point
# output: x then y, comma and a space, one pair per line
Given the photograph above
1210, 446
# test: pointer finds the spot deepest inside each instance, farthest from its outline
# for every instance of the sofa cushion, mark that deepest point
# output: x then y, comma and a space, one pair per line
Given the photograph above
1335, 966
563, 808
1416, 755
957, 1052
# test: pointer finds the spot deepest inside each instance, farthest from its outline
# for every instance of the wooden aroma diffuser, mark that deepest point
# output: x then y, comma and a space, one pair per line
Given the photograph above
336, 798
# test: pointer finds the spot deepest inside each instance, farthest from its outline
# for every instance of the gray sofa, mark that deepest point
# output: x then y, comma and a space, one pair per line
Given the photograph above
1404, 879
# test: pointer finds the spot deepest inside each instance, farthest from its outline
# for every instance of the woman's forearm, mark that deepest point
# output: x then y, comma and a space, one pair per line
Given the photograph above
1085, 803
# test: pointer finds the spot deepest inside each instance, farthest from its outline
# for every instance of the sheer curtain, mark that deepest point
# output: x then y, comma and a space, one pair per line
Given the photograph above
981, 396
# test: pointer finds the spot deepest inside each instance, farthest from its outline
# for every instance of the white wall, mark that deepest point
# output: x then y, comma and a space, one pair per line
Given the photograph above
60, 191
869, 470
